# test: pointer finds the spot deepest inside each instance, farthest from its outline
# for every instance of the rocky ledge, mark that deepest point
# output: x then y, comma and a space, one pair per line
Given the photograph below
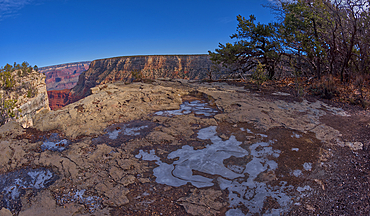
30, 93
178, 148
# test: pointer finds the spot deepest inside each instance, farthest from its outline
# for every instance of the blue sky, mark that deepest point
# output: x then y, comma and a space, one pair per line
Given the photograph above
49, 32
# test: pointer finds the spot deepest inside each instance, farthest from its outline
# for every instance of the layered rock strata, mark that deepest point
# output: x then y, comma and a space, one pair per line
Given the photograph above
146, 67
142, 67
63, 76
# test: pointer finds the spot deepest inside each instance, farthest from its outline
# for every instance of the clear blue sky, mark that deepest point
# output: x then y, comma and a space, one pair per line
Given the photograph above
49, 32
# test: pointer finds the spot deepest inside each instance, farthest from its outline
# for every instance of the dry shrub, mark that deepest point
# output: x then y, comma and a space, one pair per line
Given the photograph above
325, 88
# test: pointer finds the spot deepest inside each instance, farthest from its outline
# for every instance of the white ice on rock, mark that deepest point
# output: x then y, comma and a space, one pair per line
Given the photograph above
307, 166
54, 143
37, 180
133, 131
196, 107
250, 193
208, 160
55, 146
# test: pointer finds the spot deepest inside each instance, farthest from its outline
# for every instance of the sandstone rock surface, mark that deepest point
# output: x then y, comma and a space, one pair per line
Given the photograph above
119, 136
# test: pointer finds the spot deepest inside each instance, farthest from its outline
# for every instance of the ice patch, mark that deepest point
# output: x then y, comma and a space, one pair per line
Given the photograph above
134, 131
55, 143
118, 134
113, 134
262, 135
307, 166
280, 94
295, 149
208, 160
302, 189
234, 212
91, 202
294, 135
14, 184
197, 107
248, 192
297, 173
252, 194
147, 156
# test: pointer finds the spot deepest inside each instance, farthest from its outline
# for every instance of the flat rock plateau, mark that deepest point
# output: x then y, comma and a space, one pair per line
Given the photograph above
180, 147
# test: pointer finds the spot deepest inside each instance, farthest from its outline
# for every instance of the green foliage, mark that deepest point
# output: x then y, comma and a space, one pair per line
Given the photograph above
137, 75
325, 88
32, 92
322, 37
7, 110
255, 43
8, 79
259, 74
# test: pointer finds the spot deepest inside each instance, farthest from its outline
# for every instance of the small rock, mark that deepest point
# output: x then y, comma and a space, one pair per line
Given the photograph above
223, 136
310, 208
354, 146
280, 94
5, 212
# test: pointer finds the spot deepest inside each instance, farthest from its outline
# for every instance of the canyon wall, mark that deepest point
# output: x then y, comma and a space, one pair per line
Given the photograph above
63, 76
109, 70
147, 67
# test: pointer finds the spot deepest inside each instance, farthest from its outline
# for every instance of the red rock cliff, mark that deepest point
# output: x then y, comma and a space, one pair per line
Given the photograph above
60, 98
64, 76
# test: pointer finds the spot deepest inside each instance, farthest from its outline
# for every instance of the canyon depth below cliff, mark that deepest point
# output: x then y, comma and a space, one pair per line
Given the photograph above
63, 76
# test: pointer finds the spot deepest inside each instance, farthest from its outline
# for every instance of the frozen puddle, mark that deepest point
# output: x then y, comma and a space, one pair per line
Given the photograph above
197, 107
208, 160
91, 202
243, 182
14, 184
123, 132
55, 143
